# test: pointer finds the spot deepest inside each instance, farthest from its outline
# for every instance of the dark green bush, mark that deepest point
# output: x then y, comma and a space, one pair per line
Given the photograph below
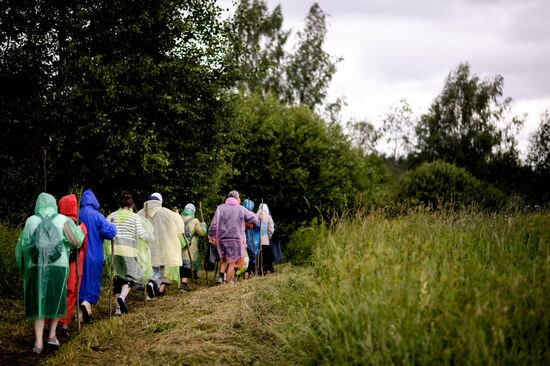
11, 284
439, 183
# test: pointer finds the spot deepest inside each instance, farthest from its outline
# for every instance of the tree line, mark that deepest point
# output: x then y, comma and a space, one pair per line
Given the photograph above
190, 99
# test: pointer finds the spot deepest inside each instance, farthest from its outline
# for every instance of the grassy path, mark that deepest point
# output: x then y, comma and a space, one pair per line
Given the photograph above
229, 324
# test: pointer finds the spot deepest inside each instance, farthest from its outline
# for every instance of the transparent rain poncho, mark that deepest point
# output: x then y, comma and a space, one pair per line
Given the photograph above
42, 254
166, 244
193, 230
132, 261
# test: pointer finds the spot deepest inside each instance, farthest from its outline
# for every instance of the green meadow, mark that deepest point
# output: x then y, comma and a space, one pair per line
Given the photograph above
424, 288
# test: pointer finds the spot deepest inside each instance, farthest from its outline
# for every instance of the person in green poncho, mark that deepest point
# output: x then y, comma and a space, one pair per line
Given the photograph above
132, 262
193, 229
42, 254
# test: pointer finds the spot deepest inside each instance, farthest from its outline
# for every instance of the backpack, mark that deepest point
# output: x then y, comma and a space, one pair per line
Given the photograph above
51, 242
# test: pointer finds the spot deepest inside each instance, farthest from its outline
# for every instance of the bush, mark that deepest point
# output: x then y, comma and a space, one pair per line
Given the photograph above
11, 281
440, 183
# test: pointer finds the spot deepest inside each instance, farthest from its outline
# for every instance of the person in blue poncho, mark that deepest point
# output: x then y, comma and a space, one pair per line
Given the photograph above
252, 235
99, 229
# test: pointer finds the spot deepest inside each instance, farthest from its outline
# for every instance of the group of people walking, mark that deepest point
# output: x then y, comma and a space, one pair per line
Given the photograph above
63, 248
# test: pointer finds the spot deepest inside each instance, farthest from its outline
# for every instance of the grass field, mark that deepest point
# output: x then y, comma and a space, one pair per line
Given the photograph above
426, 288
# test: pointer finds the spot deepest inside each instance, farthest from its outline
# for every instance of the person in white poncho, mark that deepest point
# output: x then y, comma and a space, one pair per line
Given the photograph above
166, 246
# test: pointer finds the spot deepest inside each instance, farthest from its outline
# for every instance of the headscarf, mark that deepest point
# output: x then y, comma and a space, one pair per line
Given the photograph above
189, 210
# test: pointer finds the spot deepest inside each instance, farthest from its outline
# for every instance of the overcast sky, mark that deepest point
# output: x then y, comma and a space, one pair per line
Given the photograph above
394, 49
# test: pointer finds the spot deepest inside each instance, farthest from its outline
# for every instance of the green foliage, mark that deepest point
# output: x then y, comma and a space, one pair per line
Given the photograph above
445, 288
11, 281
115, 97
440, 183
259, 39
299, 77
299, 165
463, 125
310, 68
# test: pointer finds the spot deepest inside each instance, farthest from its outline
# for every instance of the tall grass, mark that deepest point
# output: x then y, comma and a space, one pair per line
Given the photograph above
428, 288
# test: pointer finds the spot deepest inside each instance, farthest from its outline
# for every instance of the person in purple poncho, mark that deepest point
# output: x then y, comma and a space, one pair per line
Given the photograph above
227, 233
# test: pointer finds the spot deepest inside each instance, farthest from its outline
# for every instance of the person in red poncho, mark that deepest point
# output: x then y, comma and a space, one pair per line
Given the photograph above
68, 207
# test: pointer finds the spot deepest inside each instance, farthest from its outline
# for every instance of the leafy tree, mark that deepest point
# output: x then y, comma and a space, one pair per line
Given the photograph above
539, 145
398, 129
310, 68
259, 39
132, 97
301, 76
363, 135
463, 123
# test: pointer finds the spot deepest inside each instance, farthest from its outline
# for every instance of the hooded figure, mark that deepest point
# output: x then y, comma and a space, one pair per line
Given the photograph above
252, 235
193, 230
68, 207
166, 246
267, 227
99, 229
42, 254
227, 233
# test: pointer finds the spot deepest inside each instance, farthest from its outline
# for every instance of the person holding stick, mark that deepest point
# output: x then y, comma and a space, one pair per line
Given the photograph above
227, 233
68, 206
252, 235
191, 257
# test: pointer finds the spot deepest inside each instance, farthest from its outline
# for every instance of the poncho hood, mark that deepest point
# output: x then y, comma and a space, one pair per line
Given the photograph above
263, 208
45, 205
88, 199
68, 206
248, 204
152, 207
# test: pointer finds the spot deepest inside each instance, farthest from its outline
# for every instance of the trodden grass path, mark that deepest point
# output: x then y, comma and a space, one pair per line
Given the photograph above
229, 324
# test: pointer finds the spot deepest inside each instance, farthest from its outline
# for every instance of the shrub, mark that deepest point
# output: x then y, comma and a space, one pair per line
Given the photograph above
440, 183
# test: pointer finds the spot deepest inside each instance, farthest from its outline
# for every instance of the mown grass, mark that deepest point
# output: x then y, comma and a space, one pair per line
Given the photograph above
425, 288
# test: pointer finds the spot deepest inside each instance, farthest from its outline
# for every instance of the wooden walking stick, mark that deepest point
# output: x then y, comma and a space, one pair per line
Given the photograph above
111, 285
189, 253
77, 268
207, 249
261, 251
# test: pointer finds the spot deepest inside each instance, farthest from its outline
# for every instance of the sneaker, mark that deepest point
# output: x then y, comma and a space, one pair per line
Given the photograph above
86, 310
150, 290
37, 350
221, 279
53, 341
184, 287
123, 306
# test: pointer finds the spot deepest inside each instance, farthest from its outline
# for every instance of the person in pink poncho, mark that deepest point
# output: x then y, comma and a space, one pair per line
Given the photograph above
227, 233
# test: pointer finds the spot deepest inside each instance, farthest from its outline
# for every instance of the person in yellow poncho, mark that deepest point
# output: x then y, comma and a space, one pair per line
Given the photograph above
166, 246
42, 254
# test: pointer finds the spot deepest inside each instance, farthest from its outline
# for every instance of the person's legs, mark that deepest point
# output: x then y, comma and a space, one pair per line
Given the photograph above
52, 339
230, 271
223, 269
39, 334
185, 274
